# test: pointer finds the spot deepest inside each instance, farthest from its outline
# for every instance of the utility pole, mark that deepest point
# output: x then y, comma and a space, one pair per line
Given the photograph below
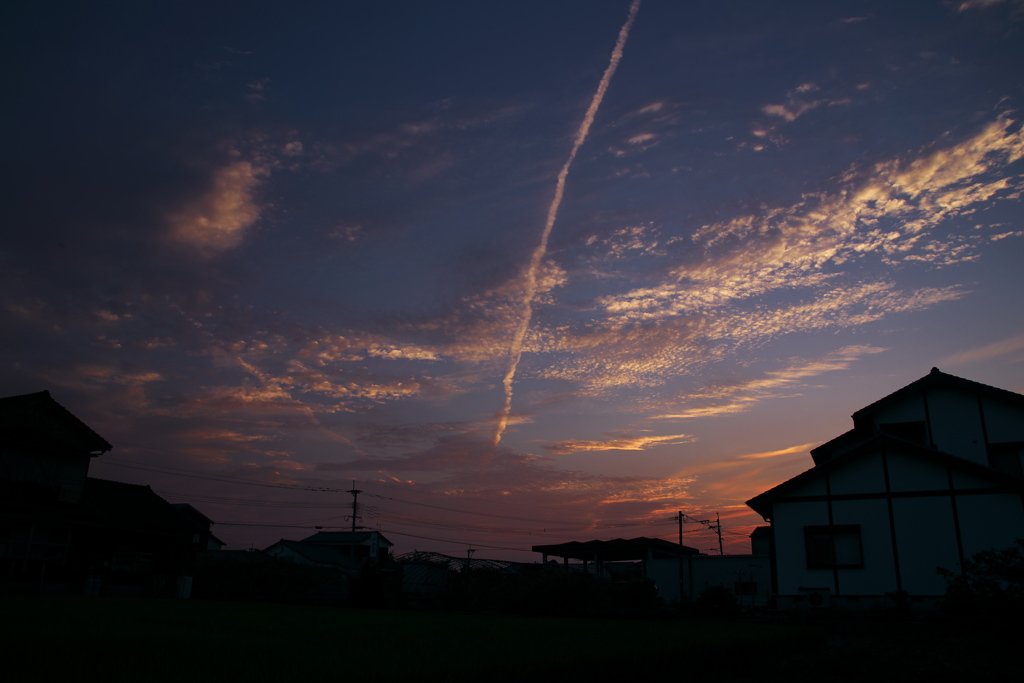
718, 528
355, 504
355, 515
681, 583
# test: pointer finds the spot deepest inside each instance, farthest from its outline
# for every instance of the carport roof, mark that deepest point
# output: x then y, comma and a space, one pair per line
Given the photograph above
618, 550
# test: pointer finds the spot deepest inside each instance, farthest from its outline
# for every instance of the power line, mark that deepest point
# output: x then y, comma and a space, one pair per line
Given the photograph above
550, 527
181, 472
445, 540
411, 520
192, 474
298, 487
216, 500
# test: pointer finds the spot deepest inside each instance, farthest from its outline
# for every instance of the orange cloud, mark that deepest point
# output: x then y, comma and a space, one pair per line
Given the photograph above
741, 396
219, 219
738, 478
622, 443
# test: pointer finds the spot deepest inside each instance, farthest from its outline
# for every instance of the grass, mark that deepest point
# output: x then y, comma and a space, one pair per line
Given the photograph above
110, 639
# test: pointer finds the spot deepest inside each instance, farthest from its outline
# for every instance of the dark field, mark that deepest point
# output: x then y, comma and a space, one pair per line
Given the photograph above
110, 639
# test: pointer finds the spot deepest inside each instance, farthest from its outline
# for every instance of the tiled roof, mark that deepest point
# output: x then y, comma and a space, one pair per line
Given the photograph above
129, 508
134, 506
933, 379
38, 419
845, 440
862, 419
762, 504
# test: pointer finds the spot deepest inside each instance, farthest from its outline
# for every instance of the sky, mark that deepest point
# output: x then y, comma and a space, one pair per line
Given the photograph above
521, 272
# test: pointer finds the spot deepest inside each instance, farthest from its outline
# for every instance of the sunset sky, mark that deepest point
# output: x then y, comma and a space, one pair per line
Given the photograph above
526, 271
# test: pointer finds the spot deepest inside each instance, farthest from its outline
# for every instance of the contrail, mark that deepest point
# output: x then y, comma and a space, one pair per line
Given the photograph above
515, 351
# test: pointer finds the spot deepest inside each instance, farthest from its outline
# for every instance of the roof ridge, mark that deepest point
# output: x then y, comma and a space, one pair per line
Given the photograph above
908, 447
43, 399
935, 375
122, 483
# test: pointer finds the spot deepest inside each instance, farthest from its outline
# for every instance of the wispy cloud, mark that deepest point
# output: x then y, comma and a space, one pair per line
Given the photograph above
623, 442
801, 449
791, 110
974, 4
798, 102
740, 396
1011, 348
735, 284
627, 241
731, 480
890, 210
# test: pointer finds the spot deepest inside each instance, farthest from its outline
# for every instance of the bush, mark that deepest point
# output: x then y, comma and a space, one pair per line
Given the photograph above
548, 591
255, 576
989, 586
716, 602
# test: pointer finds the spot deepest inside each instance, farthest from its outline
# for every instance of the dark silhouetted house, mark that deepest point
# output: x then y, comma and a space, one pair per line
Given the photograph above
62, 531
359, 564
745, 575
928, 476
748, 577
349, 551
425, 573
679, 572
761, 541
619, 550
314, 555
357, 544
207, 541
623, 559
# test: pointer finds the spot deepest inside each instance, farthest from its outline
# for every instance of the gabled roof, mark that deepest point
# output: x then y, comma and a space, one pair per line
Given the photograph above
202, 523
762, 504
863, 423
133, 506
845, 440
193, 514
38, 420
346, 538
937, 378
618, 550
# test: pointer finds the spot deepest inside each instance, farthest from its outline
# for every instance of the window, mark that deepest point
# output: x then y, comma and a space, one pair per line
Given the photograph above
916, 432
834, 547
29, 542
129, 561
1006, 457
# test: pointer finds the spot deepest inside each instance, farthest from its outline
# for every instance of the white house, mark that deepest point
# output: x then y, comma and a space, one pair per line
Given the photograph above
928, 476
